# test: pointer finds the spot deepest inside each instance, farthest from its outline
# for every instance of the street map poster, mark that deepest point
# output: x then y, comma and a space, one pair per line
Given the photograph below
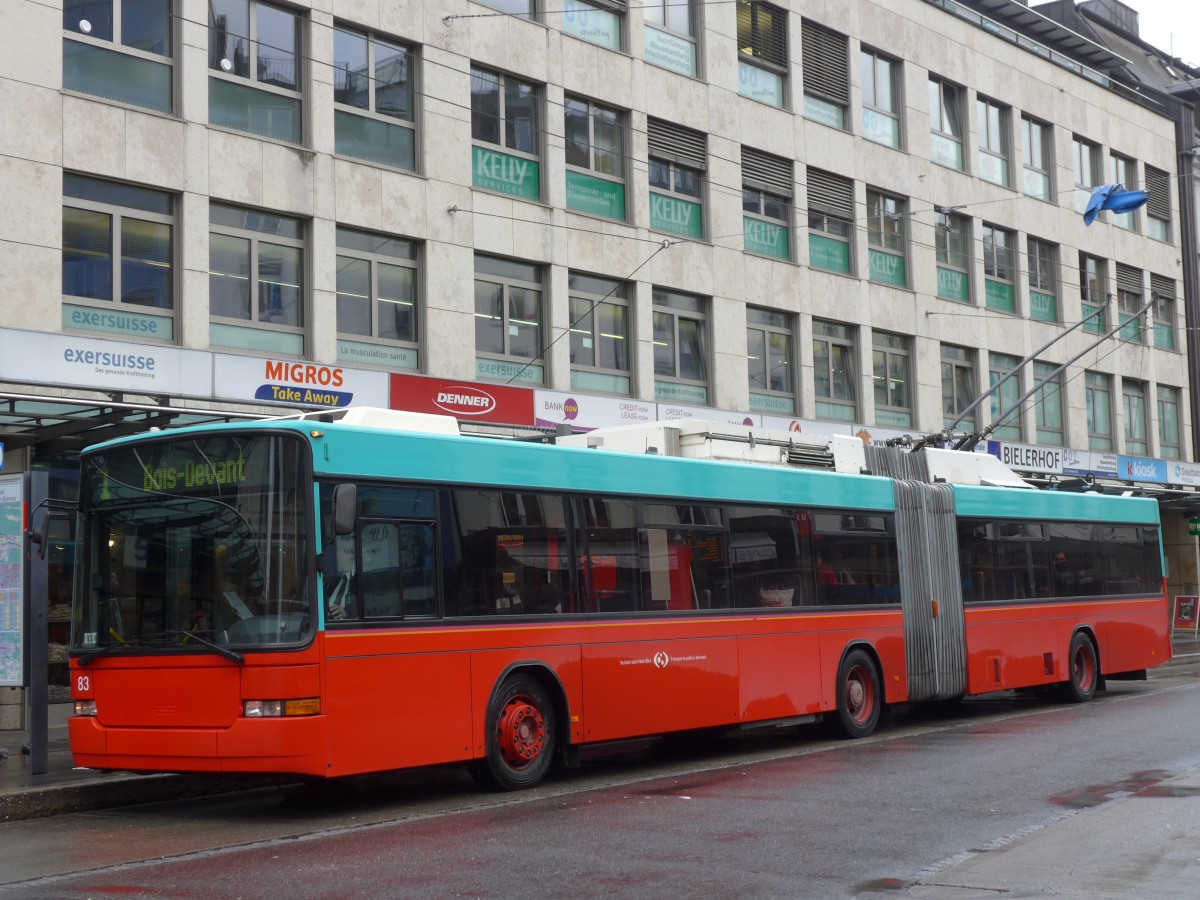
11, 571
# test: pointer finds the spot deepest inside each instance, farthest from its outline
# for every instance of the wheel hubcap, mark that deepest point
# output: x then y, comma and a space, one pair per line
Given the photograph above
1084, 670
858, 695
521, 732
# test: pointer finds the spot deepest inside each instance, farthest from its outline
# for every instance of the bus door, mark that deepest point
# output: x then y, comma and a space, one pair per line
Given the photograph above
934, 633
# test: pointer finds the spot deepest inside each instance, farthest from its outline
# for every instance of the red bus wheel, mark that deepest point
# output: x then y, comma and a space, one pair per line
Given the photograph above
860, 698
1084, 675
522, 735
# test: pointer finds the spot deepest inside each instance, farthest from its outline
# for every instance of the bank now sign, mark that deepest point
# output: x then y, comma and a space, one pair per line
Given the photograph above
466, 401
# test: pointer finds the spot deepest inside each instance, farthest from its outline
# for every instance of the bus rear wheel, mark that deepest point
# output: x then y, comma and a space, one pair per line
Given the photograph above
860, 698
521, 735
1084, 674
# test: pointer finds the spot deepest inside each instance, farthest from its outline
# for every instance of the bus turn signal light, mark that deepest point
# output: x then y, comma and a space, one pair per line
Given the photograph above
85, 707
261, 709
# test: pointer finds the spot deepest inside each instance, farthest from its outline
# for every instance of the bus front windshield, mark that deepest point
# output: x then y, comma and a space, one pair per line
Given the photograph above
192, 546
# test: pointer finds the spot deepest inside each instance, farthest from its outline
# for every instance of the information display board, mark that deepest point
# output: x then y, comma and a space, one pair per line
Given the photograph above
12, 580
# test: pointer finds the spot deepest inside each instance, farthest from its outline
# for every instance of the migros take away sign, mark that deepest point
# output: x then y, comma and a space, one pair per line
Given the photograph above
296, 382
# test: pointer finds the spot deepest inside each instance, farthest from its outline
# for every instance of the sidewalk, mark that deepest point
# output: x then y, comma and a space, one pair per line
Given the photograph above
65, 788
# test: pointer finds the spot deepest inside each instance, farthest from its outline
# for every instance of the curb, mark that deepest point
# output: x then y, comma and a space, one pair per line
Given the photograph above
118, 789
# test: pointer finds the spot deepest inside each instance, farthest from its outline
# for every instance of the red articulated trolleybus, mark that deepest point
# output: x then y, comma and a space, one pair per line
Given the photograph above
367, 590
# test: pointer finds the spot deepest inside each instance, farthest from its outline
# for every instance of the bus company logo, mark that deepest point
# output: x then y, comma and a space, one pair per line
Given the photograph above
749, 422
661, 659
465, 401
795, 426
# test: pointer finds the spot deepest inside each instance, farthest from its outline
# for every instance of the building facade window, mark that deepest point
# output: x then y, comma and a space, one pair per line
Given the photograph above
945, 123
999, 246
1130, 294
762, 52
1087, 164
1047, 404
255, 280
826, 61
1158, 207
830, 222
118, 258
680, 347
505, 114
1093, 293
374, 115
770, 338
835, 371
670, 35
958, 385
599, 334
1168, 423
1163, 290
952, 237
1004, 398
1122, 170
1037, 158
508, 321
880, 98
887, 236
892, 379
377, 313
599, 22
1133, 408
1097, 395
595, 152
121, 50
525, 9
1043, 280
994, 129
766, 204
255, 83
676, 168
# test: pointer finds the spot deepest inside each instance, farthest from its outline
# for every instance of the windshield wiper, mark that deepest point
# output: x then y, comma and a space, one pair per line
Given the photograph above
146, 639
120, 644
224, 651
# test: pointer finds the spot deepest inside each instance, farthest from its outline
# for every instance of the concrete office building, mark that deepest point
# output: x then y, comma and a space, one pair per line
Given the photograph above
829, 216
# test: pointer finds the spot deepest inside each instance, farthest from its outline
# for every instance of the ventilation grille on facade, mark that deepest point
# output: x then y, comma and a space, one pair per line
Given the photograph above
1129, 279
830, 193
1162, 288
1158, 185
676, 143
826, 65
762, 170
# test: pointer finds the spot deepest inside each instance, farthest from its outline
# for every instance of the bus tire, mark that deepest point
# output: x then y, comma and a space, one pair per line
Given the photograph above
522, 735
1083, 670
860, 698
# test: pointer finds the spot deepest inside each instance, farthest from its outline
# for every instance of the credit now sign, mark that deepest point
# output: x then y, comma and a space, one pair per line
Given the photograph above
465, 400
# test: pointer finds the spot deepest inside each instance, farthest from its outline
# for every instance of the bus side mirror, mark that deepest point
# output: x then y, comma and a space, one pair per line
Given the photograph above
39, 529
345, 508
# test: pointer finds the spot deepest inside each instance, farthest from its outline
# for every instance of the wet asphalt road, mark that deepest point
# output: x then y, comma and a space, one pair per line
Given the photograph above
785, 815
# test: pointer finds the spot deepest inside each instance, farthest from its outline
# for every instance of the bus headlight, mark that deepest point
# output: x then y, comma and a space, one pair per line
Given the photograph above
85, 707
262, 709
